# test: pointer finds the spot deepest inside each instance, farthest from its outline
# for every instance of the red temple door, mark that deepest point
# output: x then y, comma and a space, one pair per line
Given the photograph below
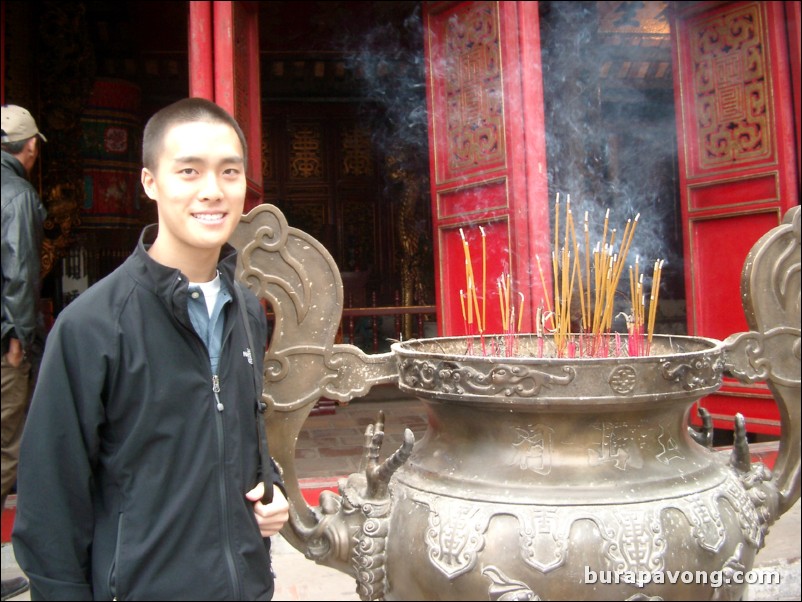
224, 67
738, 167
487, 158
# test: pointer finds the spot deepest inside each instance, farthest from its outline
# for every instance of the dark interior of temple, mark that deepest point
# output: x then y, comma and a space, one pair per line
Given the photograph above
346, 80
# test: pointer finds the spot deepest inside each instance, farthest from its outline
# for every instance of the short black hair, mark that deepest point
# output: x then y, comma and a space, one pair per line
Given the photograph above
187, 110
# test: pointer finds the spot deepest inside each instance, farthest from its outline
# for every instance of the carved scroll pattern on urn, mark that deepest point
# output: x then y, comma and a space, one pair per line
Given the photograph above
639, 544
543, 538
771, 290
697, 373
497, 380
750, 356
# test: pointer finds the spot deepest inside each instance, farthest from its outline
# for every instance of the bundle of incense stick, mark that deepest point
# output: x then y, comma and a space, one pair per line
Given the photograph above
469, 297
596, 289
474, 318
593, 281
641, 328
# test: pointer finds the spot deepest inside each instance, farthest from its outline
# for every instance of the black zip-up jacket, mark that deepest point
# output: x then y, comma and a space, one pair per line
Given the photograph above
131, 481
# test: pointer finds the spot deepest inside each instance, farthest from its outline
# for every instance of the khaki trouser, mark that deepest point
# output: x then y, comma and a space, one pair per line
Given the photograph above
16, 384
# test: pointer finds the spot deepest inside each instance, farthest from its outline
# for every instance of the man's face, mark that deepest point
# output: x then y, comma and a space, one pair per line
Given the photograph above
199, 185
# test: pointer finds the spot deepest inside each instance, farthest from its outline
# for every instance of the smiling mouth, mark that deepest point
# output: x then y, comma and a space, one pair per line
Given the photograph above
209, 218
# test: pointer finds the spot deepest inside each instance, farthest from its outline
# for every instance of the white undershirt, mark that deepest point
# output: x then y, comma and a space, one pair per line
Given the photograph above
210, 291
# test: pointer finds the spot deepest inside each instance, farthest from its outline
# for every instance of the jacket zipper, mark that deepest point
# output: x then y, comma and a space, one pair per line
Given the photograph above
216, 390
223, 486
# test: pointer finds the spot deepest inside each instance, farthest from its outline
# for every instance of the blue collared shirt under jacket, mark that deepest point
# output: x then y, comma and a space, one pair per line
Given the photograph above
209, 329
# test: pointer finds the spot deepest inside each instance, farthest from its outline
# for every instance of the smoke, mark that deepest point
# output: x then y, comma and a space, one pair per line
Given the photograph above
610, 144
389, 67
611, 141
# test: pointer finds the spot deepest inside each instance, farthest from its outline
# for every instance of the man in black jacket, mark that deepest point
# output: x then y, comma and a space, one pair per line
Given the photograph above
142, 474
22, 328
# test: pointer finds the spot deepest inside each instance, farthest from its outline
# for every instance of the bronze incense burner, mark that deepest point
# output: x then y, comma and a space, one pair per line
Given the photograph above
538, 477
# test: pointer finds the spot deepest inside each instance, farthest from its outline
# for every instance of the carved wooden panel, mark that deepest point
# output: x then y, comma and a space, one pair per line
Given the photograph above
473, 85
731, 110
306, 152
357, 153
324, 175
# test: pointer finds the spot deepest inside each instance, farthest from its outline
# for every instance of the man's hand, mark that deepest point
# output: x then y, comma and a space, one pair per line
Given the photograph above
15, 354
270, 517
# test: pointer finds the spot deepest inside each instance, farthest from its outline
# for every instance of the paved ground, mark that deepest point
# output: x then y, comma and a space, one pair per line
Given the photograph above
331, 445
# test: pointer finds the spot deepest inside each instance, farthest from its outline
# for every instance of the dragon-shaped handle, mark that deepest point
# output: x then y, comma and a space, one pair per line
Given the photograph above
299, 279
770, 289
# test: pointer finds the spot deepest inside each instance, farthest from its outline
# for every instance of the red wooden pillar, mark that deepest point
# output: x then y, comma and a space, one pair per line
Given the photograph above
487, 155
201, 50
224, 67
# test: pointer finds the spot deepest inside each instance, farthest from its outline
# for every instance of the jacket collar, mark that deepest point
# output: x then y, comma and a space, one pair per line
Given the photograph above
170, 284
14, 164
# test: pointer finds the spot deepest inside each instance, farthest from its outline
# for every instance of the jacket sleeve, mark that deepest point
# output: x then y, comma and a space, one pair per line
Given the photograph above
53, 528
22, 238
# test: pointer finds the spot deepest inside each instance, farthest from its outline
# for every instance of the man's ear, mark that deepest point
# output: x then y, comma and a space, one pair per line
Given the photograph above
31, 145
29, 153
148, 183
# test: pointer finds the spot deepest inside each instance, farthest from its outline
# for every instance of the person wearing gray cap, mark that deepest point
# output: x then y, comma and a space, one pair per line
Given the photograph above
22, 326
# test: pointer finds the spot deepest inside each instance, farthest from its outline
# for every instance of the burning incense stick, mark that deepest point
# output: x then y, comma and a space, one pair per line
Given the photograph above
484, 279
502, 307
658, 270
543, 283
586, 318
597, 289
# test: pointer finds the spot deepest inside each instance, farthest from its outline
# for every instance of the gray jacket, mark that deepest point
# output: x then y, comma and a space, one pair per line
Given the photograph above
22, 219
